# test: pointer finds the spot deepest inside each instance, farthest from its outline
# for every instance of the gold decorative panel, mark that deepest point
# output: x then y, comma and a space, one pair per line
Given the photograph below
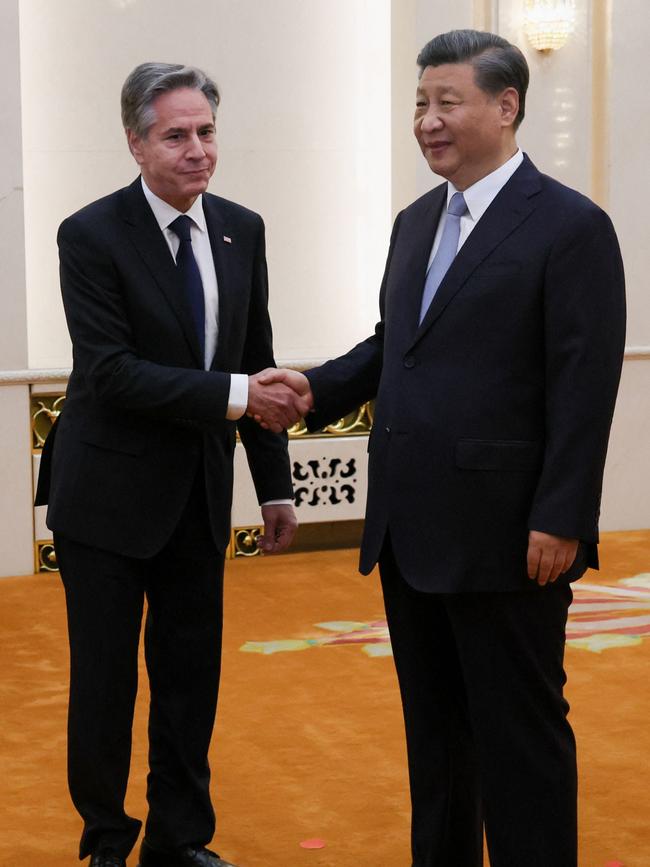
243, 542
45, 410
357, 423
45, 557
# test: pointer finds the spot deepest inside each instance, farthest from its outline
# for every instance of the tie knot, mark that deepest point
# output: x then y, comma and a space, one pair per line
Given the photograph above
181, 227
457, 206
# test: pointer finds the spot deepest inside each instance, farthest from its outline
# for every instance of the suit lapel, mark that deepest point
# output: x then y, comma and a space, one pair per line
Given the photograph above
512, 205
152, 247
419, 249
222, 254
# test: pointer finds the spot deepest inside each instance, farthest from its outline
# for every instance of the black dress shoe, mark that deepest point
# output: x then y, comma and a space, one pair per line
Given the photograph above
106, 858
187, 857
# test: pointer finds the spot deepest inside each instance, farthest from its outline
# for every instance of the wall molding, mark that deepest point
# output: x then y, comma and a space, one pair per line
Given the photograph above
635, 352
60, 375
54, 376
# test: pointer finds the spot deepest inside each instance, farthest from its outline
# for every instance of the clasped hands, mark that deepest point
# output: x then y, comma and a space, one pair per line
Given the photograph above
278, 398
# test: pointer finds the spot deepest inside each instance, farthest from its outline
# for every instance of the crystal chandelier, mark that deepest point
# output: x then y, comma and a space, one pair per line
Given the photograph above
549, 23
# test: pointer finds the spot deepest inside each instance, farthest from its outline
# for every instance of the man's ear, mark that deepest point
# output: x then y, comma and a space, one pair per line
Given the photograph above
134, 141
509, 106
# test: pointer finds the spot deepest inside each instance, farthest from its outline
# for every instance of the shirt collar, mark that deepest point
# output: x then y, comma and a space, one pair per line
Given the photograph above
480, 195
166, 214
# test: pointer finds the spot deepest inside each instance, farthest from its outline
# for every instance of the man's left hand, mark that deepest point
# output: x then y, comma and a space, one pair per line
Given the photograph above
280, 525
549, 556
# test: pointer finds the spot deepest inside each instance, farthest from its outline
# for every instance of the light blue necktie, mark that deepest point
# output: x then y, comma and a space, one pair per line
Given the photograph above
446, 251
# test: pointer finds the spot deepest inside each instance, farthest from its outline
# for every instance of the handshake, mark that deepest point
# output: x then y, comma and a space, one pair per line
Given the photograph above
278, 398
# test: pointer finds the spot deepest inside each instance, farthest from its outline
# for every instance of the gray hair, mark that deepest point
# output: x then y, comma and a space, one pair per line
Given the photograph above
149, 80
497, 63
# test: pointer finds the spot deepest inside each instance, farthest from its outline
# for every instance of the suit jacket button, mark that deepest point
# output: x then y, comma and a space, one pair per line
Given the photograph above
409, 361
387, 429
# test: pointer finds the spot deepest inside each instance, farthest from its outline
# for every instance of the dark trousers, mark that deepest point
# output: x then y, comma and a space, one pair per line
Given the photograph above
105, 592
489, 744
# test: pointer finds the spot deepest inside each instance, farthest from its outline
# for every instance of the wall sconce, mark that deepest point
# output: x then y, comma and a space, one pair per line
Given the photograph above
549, 23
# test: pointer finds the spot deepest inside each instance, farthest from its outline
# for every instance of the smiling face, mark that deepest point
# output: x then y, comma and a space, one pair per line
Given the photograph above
179, 152
463, 132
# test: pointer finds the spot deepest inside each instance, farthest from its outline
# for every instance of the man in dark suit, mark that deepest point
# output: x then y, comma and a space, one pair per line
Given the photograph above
495, 368
165, 294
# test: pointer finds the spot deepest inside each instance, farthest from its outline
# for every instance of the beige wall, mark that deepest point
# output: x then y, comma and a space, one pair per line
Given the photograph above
304, 138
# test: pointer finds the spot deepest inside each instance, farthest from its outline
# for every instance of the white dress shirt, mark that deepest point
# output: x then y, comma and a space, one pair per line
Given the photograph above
166, 214
478, 199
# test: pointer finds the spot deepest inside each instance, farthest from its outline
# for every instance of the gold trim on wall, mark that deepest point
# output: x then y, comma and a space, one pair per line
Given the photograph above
357, 423
45, 556
45, 409
243, 542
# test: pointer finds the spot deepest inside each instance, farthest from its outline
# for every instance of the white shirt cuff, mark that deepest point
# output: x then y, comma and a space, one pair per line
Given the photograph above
277, 503
238, 396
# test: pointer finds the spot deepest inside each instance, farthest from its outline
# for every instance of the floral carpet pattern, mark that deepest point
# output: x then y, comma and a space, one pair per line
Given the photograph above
602, 617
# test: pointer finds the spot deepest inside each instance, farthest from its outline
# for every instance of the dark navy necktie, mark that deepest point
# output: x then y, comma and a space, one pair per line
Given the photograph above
190, 276
446, 252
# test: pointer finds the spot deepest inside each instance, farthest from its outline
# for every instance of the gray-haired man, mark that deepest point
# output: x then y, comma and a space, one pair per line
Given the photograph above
165, 294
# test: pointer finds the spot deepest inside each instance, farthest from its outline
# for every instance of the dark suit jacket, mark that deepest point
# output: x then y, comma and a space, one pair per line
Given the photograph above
493, 415
141, 414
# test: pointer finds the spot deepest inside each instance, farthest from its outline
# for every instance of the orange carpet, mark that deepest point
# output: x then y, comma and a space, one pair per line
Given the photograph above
309, 740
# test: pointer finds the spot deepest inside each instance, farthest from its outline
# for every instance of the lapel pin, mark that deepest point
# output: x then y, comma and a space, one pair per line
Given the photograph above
227, 239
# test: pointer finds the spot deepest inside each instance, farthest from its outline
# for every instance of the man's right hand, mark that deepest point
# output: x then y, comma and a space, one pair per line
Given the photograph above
549, 556
277, 399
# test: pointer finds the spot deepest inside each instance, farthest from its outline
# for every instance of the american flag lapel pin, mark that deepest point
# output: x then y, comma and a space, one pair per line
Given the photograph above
227, 239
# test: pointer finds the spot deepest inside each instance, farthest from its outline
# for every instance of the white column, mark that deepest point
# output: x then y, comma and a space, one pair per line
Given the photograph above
626, 502
16, 522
